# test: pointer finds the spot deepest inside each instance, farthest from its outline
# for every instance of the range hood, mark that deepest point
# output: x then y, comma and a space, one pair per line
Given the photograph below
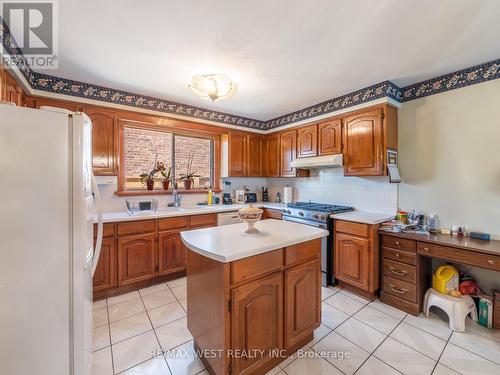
317, 162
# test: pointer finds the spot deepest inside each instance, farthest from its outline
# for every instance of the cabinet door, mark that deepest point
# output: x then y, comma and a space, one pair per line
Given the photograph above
136, 258
272, 153
57, 103
288, 153
257, 322
363, 144
237, 154
105, 273
171, 253
254, 155
307, 141
103, 141
329, 137
352, 258
302, 301
13, 92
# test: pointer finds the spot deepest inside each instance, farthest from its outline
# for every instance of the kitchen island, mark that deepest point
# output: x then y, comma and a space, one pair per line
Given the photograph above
252, 299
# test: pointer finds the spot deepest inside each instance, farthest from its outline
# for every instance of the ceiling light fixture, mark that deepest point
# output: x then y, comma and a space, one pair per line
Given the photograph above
213, 87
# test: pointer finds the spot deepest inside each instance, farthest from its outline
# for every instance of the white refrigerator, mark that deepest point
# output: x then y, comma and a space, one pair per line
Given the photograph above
48, 201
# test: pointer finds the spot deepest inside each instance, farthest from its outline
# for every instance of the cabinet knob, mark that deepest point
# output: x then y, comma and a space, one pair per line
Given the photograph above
491, 261
397, 243
426, 249
397, 255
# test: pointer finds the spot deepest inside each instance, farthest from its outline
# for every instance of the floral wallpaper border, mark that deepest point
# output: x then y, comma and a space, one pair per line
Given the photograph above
462, 78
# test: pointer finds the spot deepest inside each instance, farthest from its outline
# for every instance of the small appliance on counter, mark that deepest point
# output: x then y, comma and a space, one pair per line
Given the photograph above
240, 196
251, 197
265, 194
226, 195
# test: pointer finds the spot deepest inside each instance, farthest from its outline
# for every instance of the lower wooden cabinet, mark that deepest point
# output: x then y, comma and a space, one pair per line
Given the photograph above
171, 253
302, 301
356, 261
351, 260
256, 320
136, 258
105, 273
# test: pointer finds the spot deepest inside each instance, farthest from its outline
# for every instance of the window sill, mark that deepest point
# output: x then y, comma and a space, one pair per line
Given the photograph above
132, 193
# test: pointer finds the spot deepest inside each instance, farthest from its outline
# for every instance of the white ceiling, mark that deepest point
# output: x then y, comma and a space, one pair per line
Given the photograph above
284, 54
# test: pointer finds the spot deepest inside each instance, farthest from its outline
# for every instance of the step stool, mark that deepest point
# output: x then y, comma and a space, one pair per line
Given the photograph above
457, 308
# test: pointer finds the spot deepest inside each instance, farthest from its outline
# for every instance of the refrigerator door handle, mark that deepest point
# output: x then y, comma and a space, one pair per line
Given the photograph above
97, 250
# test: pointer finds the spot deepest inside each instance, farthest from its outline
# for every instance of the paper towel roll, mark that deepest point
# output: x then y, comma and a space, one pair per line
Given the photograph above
287, 195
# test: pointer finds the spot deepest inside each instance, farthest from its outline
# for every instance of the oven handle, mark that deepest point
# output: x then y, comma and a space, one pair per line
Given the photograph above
306, 222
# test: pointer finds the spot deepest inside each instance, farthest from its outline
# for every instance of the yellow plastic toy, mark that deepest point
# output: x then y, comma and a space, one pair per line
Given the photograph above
445, 279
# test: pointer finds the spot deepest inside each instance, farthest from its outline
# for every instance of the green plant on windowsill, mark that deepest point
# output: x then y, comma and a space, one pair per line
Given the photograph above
188, 177
166, 173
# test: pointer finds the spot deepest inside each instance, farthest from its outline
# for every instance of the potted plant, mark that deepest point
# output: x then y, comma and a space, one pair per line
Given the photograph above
166, 173
148, 179
187, 178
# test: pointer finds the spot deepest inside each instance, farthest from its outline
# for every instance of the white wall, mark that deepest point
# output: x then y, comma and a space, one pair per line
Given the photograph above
372, 194
449, 159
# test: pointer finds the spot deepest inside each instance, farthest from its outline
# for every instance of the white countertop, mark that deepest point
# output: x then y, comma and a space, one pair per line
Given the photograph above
363, 217
111, 217
230, 242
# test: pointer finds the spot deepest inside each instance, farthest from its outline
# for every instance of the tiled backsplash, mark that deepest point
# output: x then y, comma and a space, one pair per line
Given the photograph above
372, 194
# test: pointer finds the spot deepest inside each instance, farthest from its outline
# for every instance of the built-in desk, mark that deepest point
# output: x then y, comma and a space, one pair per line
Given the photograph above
406, 263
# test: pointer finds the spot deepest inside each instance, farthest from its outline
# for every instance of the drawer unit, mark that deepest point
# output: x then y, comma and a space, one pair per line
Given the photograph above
399, 255
108, 229
173, 223
401, 289
202, 221
399, 243
399, 271
452, 254
136, 227
302, 251
351, 227
257, 265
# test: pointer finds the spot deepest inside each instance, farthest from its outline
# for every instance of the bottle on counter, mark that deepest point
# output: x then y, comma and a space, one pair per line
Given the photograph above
210, 196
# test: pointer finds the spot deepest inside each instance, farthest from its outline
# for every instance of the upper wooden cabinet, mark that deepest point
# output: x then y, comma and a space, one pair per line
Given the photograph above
37, 103
104, 125
367, 136
272, 156
254, 155
307, 141
12, 91
329, 137
237, 153
288, 152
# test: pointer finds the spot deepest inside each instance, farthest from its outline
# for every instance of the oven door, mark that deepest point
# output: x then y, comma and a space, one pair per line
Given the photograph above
324, 244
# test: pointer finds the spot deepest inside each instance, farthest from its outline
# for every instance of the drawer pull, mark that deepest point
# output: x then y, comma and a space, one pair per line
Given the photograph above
398, 272
397, 255
426, 249
398, 290
491, 261
397, 243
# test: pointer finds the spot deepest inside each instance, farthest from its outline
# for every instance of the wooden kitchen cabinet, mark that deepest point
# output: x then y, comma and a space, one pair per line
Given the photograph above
105, 273
366, 137
302, 301
307, 141
330, 137
352, 260
12, 91
38, 102
262, 299
357, 257
288, 153
136, 258
171, 253
272, 155
255, 149
237, 152
104, 148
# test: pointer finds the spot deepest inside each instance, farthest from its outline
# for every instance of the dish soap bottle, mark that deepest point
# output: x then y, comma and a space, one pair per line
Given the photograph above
210, 196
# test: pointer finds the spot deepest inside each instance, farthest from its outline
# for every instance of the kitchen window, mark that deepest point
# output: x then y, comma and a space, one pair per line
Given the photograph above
184, 153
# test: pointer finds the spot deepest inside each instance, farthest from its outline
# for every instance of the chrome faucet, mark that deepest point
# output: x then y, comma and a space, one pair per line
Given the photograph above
177, 196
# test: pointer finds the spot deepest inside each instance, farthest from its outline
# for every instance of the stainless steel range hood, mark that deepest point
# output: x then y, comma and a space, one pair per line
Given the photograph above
319, 162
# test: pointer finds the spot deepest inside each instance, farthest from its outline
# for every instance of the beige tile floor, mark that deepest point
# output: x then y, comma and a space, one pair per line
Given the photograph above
131, 330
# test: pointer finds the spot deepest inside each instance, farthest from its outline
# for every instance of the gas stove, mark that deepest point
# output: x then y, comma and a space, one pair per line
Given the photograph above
318, 212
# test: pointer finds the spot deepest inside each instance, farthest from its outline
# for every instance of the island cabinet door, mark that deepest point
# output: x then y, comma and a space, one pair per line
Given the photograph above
171, 253
302, 302
352, 258
105, 272
257, 323
136, 258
